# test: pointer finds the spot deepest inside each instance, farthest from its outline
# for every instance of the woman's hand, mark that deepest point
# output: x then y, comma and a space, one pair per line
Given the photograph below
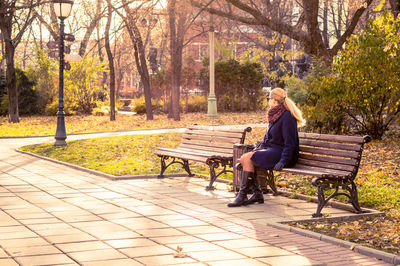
278, 166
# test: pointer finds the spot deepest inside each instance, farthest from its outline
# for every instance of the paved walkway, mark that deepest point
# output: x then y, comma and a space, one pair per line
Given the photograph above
51, 214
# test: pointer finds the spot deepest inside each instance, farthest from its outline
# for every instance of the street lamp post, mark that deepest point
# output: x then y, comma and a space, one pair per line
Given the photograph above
62, 9
212, 100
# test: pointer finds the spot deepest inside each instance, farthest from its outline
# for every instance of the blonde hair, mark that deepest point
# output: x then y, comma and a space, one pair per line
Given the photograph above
280, 96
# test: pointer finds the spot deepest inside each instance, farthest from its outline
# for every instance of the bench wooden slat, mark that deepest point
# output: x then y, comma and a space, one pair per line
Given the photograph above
330, 137
207, 143
181, 154
329, 159
202, 153
331, 145
322, 170
348, 154
320, 164
236, 135
211, 139
210, 149
298, 171
220, 129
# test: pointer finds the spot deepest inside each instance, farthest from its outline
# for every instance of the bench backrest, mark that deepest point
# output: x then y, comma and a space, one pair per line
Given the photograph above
212, 139
331, 153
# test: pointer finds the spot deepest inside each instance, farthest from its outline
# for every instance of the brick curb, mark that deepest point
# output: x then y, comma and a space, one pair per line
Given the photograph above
380, 255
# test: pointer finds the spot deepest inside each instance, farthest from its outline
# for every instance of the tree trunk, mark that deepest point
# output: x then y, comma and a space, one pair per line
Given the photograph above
395, 7
110, 62
233, 101
325, 24
176, 35
6, 28
13, 112
140, 59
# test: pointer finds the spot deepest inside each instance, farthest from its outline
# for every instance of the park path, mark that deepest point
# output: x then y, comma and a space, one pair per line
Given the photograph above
52, 214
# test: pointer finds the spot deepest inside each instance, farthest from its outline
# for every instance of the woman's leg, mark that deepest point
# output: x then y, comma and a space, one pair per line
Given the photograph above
246, 162
246, 176
248, 165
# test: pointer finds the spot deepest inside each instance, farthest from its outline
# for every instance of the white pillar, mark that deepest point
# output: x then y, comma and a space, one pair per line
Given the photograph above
212, 100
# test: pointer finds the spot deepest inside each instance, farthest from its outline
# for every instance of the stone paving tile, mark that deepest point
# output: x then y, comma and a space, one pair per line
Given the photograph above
119, 215
160, 232
12, 229
17, 235
129, 243
215, 255
147, 251
8, 262
82, 246
98, 254
166, 260
152, 210
39, 221
140, 223
185, 223
31, 251
117, 262
24, 214
176, 239
197, 246
44, 260
240, 243
58, 232
219, 236
256, 252
290, 260
50, 226
205, 229
70, 238
3, 254
111, 234
24, 242
82, 218
241, 262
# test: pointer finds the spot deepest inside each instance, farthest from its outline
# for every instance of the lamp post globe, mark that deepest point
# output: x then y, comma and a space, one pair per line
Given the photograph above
62, 8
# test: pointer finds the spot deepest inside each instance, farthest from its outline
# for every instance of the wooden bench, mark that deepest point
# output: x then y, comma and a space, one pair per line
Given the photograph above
209, 145
333, 161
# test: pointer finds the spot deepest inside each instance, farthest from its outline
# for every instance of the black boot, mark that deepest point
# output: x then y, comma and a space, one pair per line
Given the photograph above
241, 199
257, 193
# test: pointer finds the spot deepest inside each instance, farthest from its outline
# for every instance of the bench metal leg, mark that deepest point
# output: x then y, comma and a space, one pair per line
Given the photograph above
271, 182
326, 183
213, 164
164, 166
353, 198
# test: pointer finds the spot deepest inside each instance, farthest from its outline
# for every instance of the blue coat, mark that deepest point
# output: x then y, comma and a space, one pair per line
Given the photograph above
281, 143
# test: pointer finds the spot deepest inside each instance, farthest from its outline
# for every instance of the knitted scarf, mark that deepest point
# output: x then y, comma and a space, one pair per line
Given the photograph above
275, 113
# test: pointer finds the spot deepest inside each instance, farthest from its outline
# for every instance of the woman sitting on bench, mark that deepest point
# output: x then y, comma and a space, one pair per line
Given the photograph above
279, 149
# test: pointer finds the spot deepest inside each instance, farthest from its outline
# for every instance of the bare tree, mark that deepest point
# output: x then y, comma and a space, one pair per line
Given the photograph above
110, 61
15, 17
130, 19
306, 30
176, 38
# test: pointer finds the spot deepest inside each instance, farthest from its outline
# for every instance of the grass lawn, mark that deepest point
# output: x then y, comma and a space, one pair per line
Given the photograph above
46, 125
378, 178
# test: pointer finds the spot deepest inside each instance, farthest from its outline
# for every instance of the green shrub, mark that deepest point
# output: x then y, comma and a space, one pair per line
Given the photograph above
196, 103
4, 105
52, 108
82, 84
139, 105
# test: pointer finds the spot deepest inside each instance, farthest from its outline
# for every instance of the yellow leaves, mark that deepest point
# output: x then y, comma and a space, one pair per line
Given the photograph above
179, 254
